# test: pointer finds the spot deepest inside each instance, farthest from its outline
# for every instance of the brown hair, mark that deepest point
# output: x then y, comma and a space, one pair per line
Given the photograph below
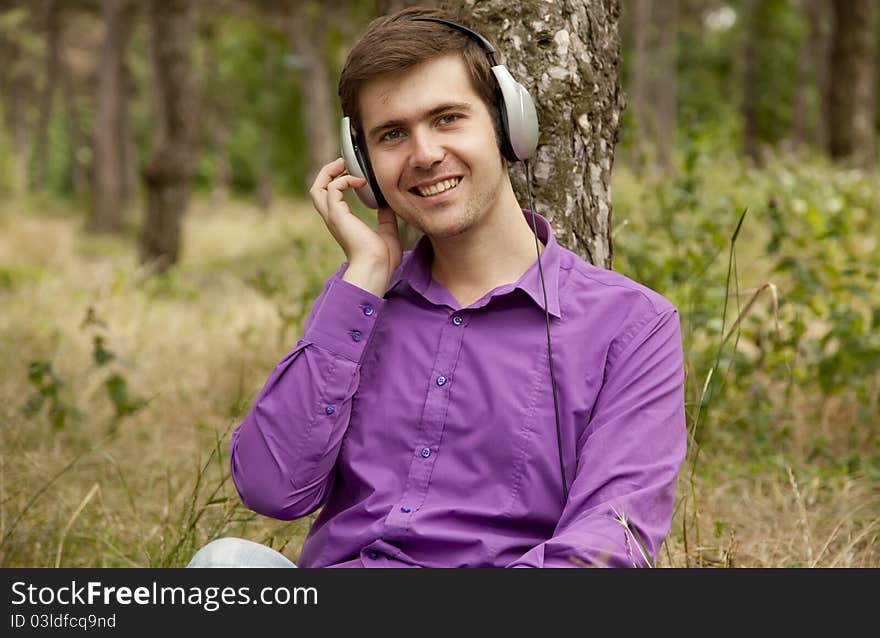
396, 42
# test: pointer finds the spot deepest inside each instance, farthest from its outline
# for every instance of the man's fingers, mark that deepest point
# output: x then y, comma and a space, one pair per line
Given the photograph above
318, 191
336, 187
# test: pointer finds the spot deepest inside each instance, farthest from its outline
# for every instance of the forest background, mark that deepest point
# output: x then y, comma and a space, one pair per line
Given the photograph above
745, 190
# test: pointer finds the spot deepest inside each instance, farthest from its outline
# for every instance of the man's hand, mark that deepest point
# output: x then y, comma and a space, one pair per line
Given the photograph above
372, 255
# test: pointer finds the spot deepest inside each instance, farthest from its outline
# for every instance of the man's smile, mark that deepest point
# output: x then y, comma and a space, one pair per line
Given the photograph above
433, 188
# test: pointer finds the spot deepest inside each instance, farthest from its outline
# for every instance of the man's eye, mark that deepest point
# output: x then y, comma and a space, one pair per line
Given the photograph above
390, 136
449, 118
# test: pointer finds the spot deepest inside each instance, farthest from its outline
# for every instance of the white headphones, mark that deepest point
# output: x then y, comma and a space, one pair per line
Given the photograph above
519, 123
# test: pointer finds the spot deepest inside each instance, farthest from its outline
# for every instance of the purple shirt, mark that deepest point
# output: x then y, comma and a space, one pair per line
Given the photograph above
426, 431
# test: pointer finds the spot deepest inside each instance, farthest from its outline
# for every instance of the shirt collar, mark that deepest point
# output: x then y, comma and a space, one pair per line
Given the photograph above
415, 269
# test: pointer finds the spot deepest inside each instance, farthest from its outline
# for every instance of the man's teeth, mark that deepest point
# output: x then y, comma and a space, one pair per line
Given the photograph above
439, 187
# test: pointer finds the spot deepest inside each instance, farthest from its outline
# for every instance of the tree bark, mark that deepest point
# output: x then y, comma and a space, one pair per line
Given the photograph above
109, 166
167, 175
567, 53
853, 74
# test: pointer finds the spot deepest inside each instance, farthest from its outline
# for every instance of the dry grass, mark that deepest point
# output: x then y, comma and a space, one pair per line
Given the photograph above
192, 358
771, 520
150, 491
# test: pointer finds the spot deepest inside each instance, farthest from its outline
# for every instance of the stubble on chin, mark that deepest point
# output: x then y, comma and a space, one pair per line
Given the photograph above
475, 206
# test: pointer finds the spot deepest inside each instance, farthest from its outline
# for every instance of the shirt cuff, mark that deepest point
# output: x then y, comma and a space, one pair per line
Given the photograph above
345, 321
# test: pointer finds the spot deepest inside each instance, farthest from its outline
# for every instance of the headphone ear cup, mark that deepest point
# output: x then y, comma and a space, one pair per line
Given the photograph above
358, 165
506, 148
518, 116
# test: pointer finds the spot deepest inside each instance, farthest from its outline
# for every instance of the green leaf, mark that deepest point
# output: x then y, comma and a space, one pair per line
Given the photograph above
100, 353
37, 370
58, 415
33, 405
117, 389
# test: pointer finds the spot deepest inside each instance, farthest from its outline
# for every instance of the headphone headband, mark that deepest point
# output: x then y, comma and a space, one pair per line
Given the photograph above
483, 42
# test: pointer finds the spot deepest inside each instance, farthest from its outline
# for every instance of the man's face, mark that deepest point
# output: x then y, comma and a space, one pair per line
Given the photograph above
432, 146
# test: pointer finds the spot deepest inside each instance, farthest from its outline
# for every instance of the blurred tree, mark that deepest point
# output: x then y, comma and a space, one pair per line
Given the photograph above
108, 189
216, 110
21, 50
636, 14
651, 35
77, 140
852, 96
774, 34
750, 84
810, 76
817, 46
51, 19
567, 54
308, 39
167, 175
664, 80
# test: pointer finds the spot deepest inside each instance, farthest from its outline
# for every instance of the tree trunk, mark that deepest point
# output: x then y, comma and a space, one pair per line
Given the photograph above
167, 175
76, 137
567, 53
52, 25
308, 38
130, 162
819, 41
802, 86
109, 165
15, 89
852, 97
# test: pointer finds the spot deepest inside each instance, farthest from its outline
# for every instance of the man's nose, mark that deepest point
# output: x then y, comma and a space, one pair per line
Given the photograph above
426, 150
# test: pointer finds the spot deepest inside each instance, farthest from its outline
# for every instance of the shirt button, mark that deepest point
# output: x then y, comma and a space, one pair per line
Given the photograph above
368, 310
456, 320
441, 380
373, 555
329, 409
426, 452
356, 335
405, 509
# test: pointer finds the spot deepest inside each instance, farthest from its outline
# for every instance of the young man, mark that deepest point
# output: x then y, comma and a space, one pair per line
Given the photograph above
417, 409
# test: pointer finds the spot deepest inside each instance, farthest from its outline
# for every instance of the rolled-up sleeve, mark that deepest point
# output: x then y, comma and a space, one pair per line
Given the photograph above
621, 500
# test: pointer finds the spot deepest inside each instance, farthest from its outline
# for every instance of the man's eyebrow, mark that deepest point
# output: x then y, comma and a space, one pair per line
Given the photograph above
440, 108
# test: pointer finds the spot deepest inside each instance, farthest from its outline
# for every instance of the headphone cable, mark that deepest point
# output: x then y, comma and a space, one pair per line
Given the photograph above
549, 347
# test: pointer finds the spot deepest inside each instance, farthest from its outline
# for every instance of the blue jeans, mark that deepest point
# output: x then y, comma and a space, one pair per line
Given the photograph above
238, 552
